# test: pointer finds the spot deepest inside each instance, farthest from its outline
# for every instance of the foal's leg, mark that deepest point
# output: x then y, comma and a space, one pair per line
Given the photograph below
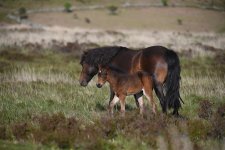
112, 104
122, 104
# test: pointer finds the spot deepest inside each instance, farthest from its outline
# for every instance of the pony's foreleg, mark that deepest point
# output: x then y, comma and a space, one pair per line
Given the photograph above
122, 104
112, 104
137, 96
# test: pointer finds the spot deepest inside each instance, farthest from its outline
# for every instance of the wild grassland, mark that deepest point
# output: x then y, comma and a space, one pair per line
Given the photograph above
43, 106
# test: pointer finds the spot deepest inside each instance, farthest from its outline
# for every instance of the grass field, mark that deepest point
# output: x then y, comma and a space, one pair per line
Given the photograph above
42, 105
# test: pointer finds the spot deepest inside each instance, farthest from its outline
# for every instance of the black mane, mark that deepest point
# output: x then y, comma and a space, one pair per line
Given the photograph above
101, 55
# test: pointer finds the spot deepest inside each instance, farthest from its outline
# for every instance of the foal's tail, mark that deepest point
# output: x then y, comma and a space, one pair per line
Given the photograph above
172, 83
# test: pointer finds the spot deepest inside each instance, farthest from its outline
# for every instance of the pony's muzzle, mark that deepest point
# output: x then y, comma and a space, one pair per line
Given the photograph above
98, 85
83, 83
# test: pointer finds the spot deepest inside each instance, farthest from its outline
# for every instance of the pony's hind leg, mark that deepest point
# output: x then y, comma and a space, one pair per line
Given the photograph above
112, 104
149, 95
158, 87
147, 89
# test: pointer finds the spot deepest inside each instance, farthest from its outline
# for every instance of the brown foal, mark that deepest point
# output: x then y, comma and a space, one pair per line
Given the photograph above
126, 84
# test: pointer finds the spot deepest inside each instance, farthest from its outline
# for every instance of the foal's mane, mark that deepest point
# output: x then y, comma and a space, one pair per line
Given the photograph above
115, 69
101, 55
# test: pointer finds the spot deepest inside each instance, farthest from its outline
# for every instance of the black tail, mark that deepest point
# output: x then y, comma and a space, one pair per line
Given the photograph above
172, 83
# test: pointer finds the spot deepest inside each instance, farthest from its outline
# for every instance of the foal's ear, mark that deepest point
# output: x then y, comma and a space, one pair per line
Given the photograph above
107, 68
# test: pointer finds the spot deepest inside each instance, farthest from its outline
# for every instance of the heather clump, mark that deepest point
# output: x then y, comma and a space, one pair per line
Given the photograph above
205, 109
218, 123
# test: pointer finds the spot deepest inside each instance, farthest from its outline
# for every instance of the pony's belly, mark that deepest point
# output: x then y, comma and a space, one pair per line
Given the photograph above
133, 92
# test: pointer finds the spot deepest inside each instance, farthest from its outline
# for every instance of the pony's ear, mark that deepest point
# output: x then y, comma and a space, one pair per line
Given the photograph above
99, 66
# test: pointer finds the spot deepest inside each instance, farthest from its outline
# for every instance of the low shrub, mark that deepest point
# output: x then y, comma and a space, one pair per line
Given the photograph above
218, 123
23, 13
67, 7
205, 109
113, 10
197, 130
164, 2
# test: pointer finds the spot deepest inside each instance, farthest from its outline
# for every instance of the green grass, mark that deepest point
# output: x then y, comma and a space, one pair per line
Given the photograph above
34, 85
22, 146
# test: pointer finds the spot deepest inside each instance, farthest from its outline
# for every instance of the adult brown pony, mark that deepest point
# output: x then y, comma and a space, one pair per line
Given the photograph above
163, 64
124, 84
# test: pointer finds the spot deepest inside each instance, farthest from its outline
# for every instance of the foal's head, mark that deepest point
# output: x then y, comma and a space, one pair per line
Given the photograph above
102, 76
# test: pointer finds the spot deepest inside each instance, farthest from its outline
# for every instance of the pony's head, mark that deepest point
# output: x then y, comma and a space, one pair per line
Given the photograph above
87, 73
102, 76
